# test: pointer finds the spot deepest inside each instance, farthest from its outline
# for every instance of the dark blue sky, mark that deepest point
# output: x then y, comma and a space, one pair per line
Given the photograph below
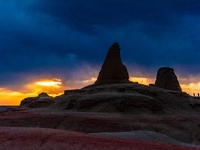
69, 39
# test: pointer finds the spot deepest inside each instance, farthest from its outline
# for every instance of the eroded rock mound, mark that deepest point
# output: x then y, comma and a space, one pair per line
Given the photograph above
42, 100
167, 79
129, 98
113, 70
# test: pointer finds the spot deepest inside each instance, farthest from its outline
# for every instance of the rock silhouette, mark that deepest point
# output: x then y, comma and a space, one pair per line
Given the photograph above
167, 79
42, 100
113, 70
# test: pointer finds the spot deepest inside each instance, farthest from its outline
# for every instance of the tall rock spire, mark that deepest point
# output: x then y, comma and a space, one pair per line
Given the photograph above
113, 70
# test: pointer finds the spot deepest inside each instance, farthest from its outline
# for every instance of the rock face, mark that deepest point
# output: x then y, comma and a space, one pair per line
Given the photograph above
43, 100
128, 98
109, 98
113, 71
167, 79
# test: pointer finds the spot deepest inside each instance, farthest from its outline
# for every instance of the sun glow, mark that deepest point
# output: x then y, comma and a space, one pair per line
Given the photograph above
142, 80
53, 87
54, 83
9, 97
191, 88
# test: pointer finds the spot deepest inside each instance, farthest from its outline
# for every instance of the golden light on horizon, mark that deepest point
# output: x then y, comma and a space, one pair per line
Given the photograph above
91, 80
191, 88
142, 80
55, 87
9, 97
49, 83
52, 87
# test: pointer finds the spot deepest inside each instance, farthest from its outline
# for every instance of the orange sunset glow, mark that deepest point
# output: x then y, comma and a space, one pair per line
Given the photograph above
51, 86
55, 87
50, 83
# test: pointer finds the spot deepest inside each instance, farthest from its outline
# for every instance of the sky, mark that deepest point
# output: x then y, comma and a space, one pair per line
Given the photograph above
54, 45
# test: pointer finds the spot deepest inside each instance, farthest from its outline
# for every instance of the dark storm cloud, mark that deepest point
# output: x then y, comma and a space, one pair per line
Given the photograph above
49, 36
156, 27
85, 15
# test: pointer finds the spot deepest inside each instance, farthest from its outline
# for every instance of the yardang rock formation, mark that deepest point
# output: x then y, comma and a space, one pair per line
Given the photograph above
167, 79
113, 70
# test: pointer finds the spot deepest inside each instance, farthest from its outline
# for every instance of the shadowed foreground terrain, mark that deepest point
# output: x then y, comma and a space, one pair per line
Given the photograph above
38, 138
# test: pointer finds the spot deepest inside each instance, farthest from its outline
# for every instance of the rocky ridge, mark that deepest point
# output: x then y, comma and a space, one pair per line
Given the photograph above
128, 98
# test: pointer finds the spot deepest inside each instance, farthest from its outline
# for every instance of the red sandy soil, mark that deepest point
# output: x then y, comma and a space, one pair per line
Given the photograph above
18, 138
28, 129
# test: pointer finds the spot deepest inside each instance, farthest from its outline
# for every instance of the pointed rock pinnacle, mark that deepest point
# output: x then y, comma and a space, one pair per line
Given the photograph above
113, 70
